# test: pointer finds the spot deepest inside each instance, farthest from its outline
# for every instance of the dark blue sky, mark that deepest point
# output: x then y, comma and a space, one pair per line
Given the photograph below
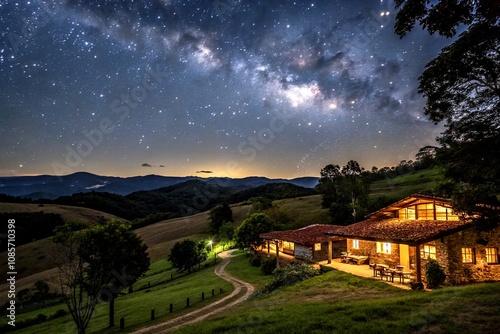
235, 88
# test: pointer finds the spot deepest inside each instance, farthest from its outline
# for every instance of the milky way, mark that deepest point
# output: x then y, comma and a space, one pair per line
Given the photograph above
222, 88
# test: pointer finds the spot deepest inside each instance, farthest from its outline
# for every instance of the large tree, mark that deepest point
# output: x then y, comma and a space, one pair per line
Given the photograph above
94, 263
462, 88
187, 254
344, 192
218, 216
247, 234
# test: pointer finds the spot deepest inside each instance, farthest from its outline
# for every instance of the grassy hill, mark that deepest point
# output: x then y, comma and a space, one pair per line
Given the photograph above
422, 181
338, 302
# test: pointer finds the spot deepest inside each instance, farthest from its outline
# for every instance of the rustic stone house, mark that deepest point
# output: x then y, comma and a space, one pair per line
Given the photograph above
308, 243
418, 228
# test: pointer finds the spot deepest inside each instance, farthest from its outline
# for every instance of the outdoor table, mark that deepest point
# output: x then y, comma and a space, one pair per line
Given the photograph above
401, 275
379, 268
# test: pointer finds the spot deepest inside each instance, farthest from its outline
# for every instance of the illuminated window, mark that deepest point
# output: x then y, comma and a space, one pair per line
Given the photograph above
491, 255
445, 213
407, 213
425, 211
288, 245
468, 255
428, 252
317, 247
355, 244
384, 247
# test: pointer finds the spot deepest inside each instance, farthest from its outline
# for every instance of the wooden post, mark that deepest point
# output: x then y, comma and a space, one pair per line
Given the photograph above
419, 263
203, 296
277, 254
187, 301
220, 290
329, 251
213, 292
122, 323
153, 313
268, 247
171, 308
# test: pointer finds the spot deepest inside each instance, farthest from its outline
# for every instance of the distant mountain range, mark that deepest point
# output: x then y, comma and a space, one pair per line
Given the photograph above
51, 187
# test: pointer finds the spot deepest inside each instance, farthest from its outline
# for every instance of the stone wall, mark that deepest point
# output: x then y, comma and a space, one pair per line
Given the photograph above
480, 271
369, 248
303, 252
322, 254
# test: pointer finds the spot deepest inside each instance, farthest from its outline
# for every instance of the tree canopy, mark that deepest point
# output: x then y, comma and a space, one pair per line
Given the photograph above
187, 254
345, 192
97, 263
462, 88
218, 216
247, 234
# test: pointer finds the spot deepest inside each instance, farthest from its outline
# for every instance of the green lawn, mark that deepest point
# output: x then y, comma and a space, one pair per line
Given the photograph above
136, 307
336, 302
240, 267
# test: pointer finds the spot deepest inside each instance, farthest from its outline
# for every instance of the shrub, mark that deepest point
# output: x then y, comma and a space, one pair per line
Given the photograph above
289, 275
435, 274
255, 260
268, 266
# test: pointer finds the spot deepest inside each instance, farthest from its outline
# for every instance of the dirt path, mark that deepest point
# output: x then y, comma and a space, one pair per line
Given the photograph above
242, 290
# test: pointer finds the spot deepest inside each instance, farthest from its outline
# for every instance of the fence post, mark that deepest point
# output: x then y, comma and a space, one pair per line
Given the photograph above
122, 323
187, 301
171, 308
152, 313
213, 292
220, 290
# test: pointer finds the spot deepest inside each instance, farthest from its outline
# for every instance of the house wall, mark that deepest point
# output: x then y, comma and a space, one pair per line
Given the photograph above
322, 254
370, 248
480, 271
338, 246
303, 252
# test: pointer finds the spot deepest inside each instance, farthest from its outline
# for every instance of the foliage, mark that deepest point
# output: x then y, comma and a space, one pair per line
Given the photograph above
218, 216
291, 274
187, 254
260, 203
96, 262
462, 88
255, 260
226, 231
268, 266
435, 274
345, 192
247, 234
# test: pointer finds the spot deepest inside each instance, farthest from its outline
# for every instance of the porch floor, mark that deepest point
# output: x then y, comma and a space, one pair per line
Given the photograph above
362, 270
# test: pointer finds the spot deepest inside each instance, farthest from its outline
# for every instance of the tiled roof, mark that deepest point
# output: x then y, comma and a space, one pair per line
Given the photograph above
304, 236
400, 231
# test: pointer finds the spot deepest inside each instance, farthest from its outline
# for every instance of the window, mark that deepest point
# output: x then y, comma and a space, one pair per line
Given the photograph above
445, 213
384, 247
491, 255
428, 252
468, 255
317, 246
425, 211
288, 245
407, 213
355, 244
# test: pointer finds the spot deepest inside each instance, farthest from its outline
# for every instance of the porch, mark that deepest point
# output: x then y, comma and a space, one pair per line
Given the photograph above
368, 271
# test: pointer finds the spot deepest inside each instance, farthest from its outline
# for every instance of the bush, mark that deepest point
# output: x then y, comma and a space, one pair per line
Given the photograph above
289, 275
268, 266
255, 260
435, 274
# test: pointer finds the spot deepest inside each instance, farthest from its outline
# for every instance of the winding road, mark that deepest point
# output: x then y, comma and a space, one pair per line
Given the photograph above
242, 290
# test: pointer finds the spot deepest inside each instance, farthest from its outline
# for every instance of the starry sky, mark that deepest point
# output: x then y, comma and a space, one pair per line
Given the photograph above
210, 88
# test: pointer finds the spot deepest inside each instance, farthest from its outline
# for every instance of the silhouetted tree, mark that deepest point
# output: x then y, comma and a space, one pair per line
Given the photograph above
218, 216
247, 234
187, 254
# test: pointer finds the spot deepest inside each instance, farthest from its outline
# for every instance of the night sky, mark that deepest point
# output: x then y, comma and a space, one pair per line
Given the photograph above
208, 88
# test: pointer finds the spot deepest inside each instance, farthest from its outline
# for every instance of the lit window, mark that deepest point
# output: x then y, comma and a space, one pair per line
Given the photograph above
468, 255
317, 247
425, 211
491, 255
355, 244
407, 213
288, 245
384, 247
428, 252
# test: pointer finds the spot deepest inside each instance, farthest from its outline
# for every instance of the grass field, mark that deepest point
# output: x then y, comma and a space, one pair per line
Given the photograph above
337, 302
405, 185
136, 307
